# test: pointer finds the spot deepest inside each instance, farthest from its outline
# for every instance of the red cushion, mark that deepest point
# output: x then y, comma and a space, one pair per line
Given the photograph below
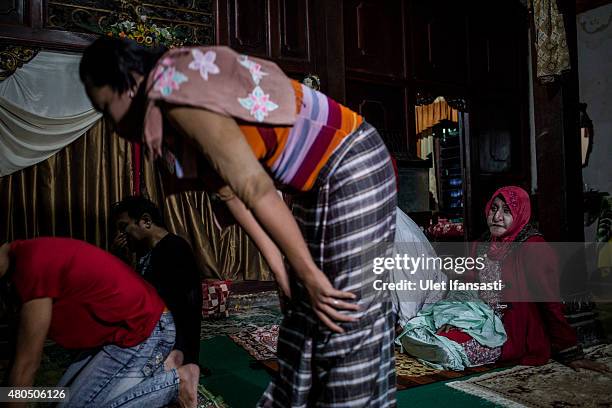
215, 295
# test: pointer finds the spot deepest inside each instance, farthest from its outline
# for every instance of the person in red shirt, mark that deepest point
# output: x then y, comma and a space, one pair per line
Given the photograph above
84, 298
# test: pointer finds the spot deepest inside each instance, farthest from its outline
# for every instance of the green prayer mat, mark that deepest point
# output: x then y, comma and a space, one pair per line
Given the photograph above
241, 380
236, 380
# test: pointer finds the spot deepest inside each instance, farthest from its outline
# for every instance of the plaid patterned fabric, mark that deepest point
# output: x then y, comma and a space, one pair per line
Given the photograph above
346, 219
215, 294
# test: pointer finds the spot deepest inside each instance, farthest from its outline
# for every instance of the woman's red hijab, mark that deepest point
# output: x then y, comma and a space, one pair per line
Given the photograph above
518, 200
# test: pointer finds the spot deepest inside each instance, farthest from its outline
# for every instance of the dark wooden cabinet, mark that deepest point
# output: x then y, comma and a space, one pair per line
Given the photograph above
438, 41
12, 11
377, 57
292, 27
248, 26
294, 40
449, 169
383, 106
500, 150
374, 37
280, 30
376, 85
498, 47
476, 51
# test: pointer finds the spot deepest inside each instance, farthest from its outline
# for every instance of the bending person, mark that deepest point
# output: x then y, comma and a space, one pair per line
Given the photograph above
84, 298
253, 126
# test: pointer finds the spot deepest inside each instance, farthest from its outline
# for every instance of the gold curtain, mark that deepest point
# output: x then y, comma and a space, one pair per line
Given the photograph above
431, 114
226, 253
71, 193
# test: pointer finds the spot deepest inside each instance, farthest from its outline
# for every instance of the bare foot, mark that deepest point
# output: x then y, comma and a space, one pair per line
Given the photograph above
189, 375
174, 360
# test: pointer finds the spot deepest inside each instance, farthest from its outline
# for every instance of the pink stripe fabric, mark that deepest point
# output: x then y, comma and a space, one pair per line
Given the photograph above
311, 135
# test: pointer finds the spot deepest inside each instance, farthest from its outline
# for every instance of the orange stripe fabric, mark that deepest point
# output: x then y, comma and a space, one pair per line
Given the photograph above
299, 95
350, 122
254, 140
282, 134
270, 150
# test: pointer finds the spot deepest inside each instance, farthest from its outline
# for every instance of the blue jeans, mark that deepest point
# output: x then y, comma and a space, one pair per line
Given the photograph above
125, 377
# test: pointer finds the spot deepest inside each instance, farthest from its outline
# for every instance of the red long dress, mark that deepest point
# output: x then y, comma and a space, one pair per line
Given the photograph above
535, 330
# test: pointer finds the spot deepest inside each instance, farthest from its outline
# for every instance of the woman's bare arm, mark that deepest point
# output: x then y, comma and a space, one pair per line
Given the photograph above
221, 141
265, 244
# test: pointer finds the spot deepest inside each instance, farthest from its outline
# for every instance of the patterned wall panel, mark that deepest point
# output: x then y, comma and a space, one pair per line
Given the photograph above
194, 19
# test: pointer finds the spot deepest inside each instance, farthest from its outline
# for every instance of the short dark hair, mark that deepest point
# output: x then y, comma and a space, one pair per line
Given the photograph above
136, 207
111, 61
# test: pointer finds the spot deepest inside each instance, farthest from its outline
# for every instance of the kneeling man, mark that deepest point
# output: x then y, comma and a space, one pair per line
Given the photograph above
84, 298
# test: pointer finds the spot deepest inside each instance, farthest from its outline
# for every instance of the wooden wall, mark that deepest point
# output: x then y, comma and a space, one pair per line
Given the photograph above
379, 57
70, 24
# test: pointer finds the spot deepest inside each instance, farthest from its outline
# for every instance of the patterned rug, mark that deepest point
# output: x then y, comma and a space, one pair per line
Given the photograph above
246, 312
550, 385
207, 399
248, 300
412, 373
259, 342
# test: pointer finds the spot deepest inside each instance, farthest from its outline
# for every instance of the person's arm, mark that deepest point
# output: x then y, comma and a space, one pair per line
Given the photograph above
267, 247
175, 275
34, 321
221, 141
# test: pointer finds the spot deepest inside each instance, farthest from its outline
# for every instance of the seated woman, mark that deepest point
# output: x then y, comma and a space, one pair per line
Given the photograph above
534, 332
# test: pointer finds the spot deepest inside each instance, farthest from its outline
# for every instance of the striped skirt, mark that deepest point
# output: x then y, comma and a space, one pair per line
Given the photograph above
346, 220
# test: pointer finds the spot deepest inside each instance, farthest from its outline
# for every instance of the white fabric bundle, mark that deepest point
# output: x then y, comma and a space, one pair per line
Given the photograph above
43, 108
410, 241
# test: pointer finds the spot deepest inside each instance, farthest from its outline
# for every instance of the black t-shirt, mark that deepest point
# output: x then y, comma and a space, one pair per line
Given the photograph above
172, 269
